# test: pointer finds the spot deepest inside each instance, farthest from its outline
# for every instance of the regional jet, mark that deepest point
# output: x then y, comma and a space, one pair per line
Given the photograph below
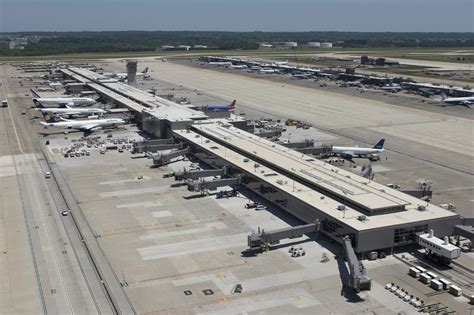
350, 152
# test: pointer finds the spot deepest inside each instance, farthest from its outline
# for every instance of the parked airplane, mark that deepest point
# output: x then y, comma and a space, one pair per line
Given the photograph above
238, 67
68, 111
222, 107
267, 70
62, 101
122, 76
391, 88
465, 101
350, 152
85, 125
352, 83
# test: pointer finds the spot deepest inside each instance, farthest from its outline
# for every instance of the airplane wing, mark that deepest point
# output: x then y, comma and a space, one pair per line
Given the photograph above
89, 127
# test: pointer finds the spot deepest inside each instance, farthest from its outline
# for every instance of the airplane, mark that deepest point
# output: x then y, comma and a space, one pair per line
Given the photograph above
391, 88
122, 76
61, 101
352, 83
350, 152
238, 67
465, 101
68, 111
222, 107
301, 76
85, 125
267, 70
281, 63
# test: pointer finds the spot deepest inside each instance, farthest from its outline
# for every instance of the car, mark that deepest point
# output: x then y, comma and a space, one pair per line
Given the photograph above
64, 213
47, 175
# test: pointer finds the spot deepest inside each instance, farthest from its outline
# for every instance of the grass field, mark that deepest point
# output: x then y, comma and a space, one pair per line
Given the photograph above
431, 54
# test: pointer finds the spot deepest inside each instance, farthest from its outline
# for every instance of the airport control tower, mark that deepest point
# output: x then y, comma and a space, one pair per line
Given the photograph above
131, 71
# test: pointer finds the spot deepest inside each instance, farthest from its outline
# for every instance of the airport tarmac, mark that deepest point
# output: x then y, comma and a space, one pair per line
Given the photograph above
164, 251
177, 252
421, 144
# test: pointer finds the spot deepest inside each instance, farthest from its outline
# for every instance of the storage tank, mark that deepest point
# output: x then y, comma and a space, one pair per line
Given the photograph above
326, 45
314, 44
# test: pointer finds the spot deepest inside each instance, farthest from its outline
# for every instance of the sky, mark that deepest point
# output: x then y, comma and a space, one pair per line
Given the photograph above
238, 15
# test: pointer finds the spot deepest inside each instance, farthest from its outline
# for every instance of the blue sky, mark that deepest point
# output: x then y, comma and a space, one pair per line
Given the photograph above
241, 15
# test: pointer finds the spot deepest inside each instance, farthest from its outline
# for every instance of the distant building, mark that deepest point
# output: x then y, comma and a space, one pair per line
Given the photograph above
291, 44
167, 47
314, 44
380, 61
185, 47
326, 45
200, 47
265, 45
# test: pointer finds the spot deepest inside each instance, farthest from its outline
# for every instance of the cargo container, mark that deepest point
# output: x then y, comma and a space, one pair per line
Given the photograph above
432, 275
414, 272
446, 284
421, 269
436, 284
455, 290
425, 278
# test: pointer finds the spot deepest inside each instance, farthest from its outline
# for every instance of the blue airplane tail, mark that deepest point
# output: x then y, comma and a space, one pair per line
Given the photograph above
49, 118
379, 144
38, 103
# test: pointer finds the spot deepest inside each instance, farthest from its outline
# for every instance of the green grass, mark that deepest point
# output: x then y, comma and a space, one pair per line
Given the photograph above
271, 53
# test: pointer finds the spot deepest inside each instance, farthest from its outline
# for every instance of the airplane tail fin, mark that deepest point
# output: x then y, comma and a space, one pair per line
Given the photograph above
36, 95
38, 103
379, 144
443, 96
145, 70
48, 118
232, 105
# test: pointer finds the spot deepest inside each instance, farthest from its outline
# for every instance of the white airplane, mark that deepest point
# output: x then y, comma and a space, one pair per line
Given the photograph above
391, 88
357, 83
267, 70
465, 101
85, 125
62, 101
122, 76
68, 111
239, 67
350, 152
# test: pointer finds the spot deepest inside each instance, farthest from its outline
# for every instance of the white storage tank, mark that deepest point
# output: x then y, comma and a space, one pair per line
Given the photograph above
326, 45
314, 44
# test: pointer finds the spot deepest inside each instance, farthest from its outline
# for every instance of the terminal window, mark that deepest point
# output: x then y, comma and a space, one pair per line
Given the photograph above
408, 235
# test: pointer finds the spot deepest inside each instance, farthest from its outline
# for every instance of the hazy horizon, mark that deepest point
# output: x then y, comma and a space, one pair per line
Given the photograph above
238, 15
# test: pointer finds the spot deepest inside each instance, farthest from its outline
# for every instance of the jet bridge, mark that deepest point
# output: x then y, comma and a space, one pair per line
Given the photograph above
196, 174
262, 239
163, 158
203, 185
358, 279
